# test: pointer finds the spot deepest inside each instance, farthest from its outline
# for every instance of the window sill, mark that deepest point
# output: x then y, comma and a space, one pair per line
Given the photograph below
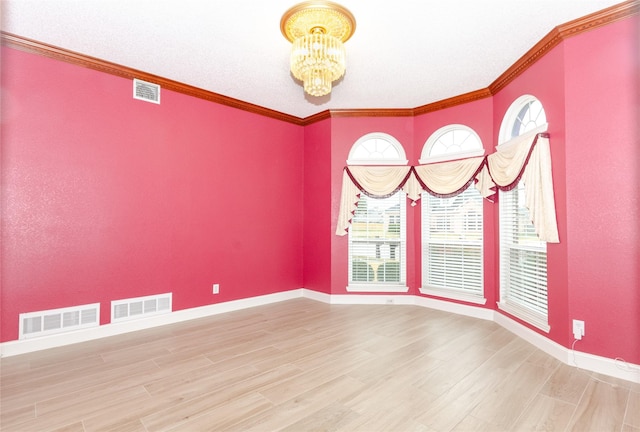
377, 288
454, 295
532, 318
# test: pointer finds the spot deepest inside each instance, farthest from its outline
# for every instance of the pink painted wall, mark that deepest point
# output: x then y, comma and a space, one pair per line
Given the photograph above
318, 222
105, 197
602, 81
345, 132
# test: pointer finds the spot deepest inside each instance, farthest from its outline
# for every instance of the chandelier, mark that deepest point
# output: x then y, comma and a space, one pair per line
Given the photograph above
317, 30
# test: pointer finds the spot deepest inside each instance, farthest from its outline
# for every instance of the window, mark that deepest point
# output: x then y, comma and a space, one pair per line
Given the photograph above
377, 236
451, 142
523, 256
452, 228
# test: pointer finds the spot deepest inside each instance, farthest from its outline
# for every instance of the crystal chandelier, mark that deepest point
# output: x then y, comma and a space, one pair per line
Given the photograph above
317, 30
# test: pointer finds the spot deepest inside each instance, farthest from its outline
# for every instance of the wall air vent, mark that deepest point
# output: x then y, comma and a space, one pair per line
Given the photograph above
43, 323
140, 307
146, 91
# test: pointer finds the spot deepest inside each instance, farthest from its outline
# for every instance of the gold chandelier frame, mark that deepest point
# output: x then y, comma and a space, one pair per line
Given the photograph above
317, 30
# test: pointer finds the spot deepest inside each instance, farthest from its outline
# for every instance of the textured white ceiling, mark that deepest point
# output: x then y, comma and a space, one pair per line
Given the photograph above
404, 53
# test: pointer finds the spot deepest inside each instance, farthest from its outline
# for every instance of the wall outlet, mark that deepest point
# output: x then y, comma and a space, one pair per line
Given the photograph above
578, 329
216, 288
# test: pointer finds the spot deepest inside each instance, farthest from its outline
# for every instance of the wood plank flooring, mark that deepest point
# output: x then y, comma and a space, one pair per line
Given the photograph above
302, 365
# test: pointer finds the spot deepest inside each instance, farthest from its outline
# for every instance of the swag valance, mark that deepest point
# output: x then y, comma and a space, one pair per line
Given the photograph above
526, 158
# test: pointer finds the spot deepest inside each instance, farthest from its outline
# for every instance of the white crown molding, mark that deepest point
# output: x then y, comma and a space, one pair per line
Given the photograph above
585, 361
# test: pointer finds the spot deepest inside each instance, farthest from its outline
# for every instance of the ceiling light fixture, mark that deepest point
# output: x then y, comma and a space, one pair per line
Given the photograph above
317, 30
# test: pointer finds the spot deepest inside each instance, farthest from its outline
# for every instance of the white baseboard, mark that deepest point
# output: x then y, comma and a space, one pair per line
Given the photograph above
24, 346
456, 308
589, 362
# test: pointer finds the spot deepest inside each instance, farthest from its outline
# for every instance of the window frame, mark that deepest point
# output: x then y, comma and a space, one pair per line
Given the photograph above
398, 159
453, 293
433, 139
508, 301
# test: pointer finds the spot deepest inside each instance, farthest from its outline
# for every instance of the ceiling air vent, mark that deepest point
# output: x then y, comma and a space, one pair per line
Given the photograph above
146, 91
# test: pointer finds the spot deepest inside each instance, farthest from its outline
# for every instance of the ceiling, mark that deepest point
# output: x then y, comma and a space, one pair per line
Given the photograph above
404, 53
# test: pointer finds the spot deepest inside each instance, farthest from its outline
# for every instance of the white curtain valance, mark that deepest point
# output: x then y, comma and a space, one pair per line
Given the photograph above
526, 158
447, 179
375, 181
379, 181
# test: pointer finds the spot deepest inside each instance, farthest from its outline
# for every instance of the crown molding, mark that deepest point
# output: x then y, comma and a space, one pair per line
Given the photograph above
322, 115
561, 33
453, 101
546, 44
61, 54
372, 112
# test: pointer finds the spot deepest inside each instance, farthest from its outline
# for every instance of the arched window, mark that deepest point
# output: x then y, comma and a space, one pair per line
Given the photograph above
523, 256
454, 141
452, 228
377, 236
525, 114
377, 148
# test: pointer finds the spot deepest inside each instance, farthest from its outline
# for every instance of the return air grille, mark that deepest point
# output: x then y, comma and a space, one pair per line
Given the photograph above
139, 307
52, 321
146, 91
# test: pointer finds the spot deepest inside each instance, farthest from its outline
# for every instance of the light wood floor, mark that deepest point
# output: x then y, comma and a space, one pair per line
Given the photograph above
302, 365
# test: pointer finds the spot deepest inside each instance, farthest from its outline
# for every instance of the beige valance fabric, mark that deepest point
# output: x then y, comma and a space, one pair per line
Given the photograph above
538, 191
526, 158
380, 181
446, 179
507, 163
376, 181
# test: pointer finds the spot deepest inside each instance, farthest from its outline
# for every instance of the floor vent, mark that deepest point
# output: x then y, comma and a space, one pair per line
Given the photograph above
52, 321
140, 307
146, 91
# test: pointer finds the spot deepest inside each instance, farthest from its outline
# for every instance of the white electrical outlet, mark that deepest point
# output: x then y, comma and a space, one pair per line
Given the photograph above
216, 288
578, 329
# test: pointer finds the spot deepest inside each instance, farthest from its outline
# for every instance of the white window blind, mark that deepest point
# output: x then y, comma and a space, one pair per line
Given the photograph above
452, 257
377, 243
523, 261
523, 256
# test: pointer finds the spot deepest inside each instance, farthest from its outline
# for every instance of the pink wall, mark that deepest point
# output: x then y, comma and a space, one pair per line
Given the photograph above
105, 197
318, 222
602, 79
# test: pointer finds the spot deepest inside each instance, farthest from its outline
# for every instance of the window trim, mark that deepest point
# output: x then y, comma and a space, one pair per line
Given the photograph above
448, 293
511, 116
529, 316
378, 136
384, 287
434, 137
401, 161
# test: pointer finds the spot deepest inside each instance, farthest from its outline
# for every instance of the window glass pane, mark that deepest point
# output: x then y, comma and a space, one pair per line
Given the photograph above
452, 227
376, 240
523, 255
530, 116
452, 242
451, 140
377, 246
